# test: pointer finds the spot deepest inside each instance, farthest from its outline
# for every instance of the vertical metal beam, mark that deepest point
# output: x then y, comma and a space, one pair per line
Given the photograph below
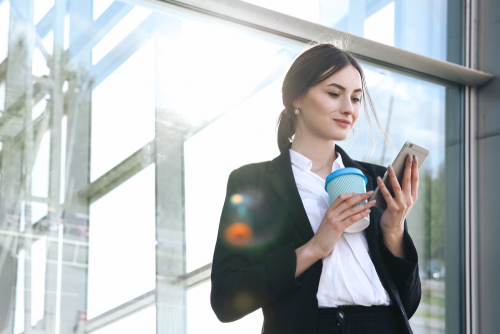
77, 107
455, 211
54, 212
170, 255
471, 259
17, 154
28, 156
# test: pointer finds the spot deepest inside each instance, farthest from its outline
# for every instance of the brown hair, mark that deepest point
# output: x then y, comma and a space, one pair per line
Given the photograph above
312, 66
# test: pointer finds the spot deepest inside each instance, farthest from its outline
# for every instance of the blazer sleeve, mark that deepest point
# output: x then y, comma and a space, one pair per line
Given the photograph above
404, 272
240, 284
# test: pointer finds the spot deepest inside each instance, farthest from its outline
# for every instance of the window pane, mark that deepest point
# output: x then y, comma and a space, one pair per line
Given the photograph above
428, 114
143, 321
123, 112
4, 31
122, 244
113, 215
427, 27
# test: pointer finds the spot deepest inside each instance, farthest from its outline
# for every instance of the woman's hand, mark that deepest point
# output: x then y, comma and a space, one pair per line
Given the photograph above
339, 216
398, 207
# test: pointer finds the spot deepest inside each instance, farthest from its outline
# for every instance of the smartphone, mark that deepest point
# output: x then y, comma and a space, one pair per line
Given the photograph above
398, 165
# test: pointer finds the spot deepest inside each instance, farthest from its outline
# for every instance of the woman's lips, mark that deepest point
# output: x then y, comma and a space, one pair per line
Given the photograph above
342, 124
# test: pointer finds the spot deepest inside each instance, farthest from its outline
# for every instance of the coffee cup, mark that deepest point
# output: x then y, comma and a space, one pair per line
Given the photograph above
348, 180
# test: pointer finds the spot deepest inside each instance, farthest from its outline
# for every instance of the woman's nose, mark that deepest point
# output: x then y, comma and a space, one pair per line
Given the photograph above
347, 106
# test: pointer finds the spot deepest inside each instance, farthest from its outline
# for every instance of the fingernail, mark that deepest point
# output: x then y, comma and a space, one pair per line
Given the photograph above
372, 201
370, 192
409, 159
379, 178
390, 168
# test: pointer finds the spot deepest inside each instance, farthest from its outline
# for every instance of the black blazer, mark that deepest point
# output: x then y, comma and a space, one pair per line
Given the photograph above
254, 265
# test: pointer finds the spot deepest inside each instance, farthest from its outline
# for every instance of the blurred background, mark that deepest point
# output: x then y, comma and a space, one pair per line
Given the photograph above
121, 121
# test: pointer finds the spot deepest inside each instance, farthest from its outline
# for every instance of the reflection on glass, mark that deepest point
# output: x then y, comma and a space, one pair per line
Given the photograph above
143, 322
417, 26
412, 109
122, 244
41, 7
4, 30
119, 32
123, 113
99, 6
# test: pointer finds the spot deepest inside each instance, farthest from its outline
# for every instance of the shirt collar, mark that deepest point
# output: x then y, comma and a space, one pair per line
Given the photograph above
305, 164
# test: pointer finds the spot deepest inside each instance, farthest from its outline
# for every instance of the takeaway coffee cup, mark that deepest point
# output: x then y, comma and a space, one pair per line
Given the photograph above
348, 180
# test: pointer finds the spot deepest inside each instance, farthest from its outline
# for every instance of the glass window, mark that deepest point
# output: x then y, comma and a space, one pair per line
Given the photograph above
41, 7
99, 6
122, 244
428, 114
4, 30
426, 27
123, 113
143, 321
114, 226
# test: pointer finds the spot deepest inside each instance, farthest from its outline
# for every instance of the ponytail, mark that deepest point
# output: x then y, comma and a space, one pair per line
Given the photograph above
286, 128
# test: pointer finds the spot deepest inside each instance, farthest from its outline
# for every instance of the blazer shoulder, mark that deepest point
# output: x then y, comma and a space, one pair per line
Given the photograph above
374, 169
252, 172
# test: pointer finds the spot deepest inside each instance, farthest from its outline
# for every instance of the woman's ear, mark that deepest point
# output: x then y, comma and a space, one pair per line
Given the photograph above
296, 103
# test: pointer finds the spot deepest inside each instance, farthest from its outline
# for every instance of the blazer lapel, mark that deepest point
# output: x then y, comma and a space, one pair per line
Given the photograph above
372, 234
348, 162
283, 182
371, 231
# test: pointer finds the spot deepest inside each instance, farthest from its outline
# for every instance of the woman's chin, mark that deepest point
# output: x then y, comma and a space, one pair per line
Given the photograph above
340, 136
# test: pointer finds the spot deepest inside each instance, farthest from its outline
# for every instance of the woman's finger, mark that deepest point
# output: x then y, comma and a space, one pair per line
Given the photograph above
385, 192
394, 182
406, 183
345, 199
356, 210
355, 218
414, 179
350, 201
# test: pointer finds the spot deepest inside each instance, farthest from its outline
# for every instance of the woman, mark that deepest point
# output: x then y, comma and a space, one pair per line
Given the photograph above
281, 244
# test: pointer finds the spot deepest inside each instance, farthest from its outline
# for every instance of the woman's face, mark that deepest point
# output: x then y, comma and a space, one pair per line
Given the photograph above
328, 103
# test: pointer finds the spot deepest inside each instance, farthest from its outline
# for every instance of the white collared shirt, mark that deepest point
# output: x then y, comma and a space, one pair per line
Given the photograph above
349, 276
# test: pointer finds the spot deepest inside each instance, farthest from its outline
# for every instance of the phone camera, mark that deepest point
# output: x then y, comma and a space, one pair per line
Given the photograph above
411, 145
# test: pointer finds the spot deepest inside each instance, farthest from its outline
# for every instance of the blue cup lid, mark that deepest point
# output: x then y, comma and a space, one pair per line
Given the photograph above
342, 171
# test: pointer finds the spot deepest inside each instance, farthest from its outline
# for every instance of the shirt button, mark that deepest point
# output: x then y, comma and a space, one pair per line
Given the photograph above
341, 315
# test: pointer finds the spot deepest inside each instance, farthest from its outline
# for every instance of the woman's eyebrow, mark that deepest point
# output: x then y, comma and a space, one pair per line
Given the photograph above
342, 88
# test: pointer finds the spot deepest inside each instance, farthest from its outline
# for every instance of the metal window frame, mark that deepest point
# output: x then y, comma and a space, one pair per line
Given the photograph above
471, 191
304, 31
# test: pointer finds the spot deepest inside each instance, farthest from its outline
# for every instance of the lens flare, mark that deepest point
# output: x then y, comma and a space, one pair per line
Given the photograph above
236, 199
239, 234
243, 302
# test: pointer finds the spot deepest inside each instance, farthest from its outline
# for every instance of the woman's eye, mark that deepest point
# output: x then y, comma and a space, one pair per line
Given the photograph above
333, 94
356, 99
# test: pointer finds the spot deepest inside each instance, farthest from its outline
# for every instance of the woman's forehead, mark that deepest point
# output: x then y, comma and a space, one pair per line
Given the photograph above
348, 77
